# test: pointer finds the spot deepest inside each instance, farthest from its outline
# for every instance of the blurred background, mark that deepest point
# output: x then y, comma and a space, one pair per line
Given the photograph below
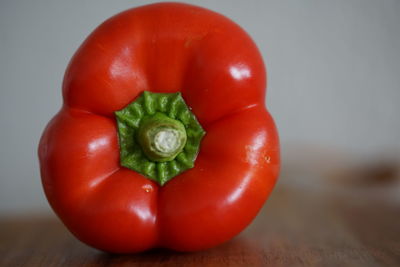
333, 88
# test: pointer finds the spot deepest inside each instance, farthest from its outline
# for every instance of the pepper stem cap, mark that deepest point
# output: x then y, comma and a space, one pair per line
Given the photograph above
161, 137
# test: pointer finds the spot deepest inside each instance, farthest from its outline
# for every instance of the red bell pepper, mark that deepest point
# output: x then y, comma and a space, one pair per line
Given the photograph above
163, 139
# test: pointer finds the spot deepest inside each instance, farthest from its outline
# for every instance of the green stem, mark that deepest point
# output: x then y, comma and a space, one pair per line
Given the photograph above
159, 136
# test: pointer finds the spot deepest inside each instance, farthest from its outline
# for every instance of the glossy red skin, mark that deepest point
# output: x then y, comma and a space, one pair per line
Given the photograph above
165, 47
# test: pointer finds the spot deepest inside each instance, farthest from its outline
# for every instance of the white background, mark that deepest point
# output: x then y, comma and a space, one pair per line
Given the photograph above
333, 68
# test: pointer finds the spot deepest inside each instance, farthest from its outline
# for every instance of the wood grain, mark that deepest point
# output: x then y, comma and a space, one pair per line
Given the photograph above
303, 224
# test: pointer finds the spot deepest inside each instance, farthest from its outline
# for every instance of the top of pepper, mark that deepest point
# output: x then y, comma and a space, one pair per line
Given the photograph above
159, 136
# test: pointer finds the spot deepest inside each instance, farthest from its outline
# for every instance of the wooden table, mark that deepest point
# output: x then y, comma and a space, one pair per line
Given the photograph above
304, 223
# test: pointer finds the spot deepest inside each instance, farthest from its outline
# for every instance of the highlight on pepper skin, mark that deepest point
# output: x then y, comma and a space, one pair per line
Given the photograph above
163, 139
